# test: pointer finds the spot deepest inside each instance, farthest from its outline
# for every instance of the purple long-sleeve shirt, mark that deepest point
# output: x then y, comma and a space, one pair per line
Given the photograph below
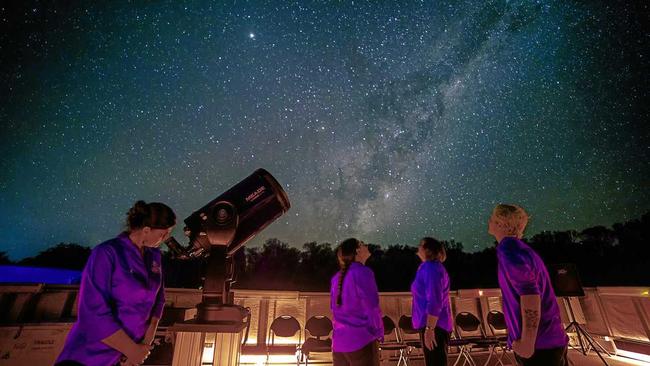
358, 321
522, 272
120, 289
430, 291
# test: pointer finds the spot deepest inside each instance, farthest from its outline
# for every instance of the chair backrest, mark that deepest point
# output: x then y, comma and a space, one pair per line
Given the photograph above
389, 325
319, 326
406, 325
467, 322
497, 321
284, 326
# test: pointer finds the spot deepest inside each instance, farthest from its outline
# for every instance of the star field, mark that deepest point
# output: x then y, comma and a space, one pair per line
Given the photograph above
385, 121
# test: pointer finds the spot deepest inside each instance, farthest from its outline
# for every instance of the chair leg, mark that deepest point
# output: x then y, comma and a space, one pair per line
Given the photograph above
504, 353
460, 354
402, 358
407, 354
491, 351
469, 357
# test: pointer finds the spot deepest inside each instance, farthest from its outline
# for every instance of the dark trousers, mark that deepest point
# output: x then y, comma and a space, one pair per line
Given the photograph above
73, 363
367, 356
546, 357
438, 355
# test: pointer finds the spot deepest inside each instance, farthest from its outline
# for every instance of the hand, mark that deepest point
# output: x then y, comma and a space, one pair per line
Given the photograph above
524, 350
125, 362
138, 354
430, 339
151, 341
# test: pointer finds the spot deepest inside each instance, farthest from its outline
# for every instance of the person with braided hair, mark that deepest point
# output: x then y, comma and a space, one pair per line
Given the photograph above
431, 310
354, 301
121, 296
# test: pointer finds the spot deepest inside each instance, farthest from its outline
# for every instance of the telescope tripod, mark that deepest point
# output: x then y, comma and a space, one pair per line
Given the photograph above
586, 340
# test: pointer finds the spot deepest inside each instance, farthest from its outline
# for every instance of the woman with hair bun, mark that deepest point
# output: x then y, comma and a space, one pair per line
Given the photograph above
354, 301
121, 296
431, 310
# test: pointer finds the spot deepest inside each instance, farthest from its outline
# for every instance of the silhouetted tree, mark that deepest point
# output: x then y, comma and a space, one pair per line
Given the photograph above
63, 255
603, 256
394, 267
271, 267
316, 261
4, 258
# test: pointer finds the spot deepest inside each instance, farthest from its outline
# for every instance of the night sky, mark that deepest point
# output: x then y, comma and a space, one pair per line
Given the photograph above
383, 120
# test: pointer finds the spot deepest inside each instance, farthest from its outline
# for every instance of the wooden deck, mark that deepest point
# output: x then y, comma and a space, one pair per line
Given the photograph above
576, 358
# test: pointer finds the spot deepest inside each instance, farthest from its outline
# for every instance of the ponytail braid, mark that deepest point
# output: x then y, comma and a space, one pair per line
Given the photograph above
345, 253
344, 271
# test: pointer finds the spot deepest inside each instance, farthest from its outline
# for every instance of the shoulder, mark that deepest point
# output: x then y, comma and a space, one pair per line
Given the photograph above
103, 256
363, 270
430, 267
435, 268
514, 251
359, 273
440, 268
509, 243
108, 248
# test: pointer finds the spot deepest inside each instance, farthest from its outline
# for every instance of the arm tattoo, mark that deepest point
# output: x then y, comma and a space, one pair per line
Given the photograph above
532, 318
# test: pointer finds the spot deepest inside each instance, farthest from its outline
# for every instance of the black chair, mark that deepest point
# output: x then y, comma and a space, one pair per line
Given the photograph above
468, 323
410, 336
284, 326
497, 324
319, 328
396, 345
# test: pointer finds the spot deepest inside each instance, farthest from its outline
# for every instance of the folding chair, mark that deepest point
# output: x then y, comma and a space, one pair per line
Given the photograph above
284, 326
318, 326
396, 345
405, 324
469, 323
497, 323
463, 351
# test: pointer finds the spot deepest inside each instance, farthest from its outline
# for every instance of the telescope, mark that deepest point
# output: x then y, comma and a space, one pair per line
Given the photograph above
218, 230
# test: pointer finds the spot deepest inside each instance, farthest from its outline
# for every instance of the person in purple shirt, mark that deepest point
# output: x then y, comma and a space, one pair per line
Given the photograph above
535, 330
354, 301
121, 296
431, 311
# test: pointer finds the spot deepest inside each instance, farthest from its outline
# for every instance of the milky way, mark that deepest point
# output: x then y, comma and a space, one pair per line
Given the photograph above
382, 120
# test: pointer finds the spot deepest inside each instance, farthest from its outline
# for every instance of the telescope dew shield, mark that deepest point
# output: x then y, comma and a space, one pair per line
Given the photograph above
238, 215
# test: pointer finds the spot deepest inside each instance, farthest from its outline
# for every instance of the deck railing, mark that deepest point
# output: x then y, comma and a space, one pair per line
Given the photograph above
34, 319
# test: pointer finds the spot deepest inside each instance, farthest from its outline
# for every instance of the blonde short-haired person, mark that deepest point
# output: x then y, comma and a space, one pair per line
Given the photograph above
535, 330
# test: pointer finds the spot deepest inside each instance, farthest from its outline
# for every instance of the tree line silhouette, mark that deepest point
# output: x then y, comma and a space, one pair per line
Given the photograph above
616, 256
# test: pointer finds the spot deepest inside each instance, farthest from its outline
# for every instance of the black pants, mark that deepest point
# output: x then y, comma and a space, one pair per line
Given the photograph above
74, 363
438, 355
367, 356
546, 357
